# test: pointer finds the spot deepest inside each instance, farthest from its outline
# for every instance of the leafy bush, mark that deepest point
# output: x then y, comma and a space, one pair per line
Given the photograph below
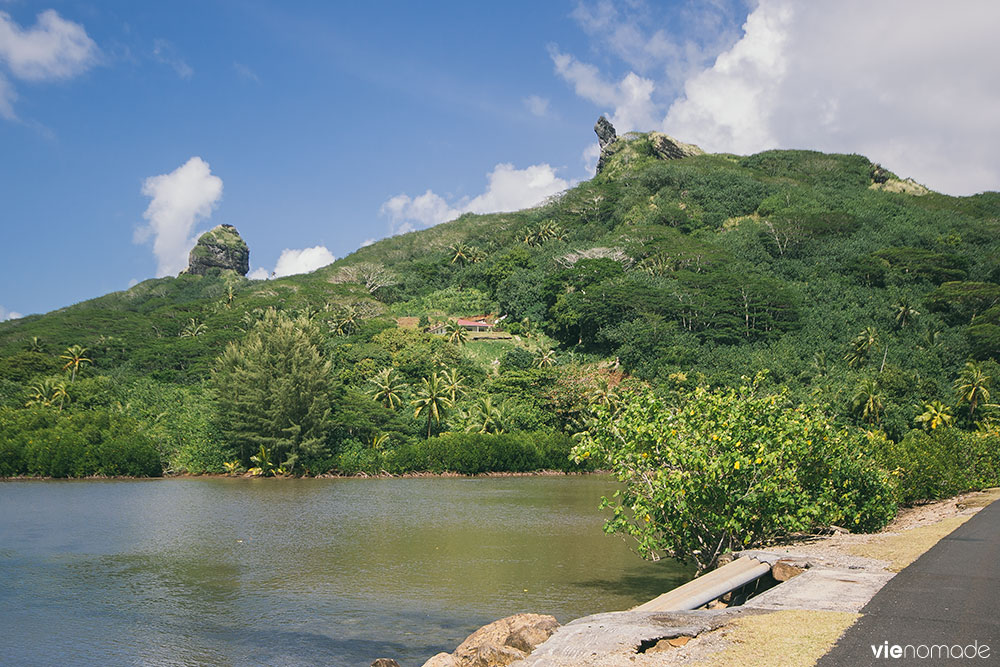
46, 443
464, 453
732, 469
943, 463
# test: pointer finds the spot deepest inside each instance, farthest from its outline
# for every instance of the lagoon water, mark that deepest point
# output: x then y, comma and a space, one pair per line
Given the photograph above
299, 572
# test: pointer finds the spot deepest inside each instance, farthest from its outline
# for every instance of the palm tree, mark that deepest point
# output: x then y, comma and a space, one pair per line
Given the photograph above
388, 388
904, 312
460, 253
546, 359
487, 417
935, 414
379, 440
75, 359
35, 345
819, 363
868, 400
603, 394
192, 328
454, 383
474, 254
861, 346
432, 400
457, 333
973, 386
47, 391
346, 320
549, 230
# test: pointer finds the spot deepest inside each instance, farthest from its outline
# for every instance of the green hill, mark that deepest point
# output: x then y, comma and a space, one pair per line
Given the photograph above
828, 271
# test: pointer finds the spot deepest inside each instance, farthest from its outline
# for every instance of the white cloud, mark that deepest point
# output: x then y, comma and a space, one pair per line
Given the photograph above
305, 260
7, 99
9, 314
539, 106
368, 242
53, 49
245, 73
179, 199
508, 189
913, 85
166, 54
133, 282
260, 273
667, 43
631, 98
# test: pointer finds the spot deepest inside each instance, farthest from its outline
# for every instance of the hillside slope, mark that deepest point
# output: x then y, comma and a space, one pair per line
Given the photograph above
824, 269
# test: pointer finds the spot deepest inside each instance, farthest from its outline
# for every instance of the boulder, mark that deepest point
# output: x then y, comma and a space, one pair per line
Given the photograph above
667, 148
784, 570
385, 662
500, 643
441, 660
219, 248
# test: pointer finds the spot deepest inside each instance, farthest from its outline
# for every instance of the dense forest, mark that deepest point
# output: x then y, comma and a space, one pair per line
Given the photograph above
821, 279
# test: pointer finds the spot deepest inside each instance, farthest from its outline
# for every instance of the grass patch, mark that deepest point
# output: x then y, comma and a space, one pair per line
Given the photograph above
782, 638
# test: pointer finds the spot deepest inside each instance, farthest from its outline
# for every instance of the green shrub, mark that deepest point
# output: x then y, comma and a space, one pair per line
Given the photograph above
943, 463
732, 469
45, 443
463, 453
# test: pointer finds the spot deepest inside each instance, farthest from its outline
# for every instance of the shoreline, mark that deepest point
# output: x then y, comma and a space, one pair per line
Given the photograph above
219, 475
791, 624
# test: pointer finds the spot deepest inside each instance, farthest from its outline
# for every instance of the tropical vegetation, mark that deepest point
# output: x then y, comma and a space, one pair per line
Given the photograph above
629, 310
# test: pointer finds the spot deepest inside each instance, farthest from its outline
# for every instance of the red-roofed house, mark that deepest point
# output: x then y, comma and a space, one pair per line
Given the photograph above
482, 323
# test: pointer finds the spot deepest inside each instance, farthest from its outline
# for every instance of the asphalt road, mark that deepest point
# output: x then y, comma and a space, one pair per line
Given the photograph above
947, 598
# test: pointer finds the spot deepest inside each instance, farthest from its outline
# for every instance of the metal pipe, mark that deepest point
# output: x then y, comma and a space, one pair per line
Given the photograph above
708, 587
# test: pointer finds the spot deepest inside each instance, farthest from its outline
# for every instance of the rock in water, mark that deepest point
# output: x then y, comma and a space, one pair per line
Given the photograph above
605, 132
499, 643
219, 248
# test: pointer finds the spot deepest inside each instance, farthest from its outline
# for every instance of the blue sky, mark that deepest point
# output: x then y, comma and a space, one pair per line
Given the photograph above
127, 128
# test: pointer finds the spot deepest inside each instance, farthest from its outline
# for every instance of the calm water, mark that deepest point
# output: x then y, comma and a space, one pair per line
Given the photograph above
298, 572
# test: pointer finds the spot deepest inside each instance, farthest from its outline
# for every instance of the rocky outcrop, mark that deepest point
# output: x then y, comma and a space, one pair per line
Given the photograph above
667, 148
633, 145
605, 132
220, 248
606, 136
500, 643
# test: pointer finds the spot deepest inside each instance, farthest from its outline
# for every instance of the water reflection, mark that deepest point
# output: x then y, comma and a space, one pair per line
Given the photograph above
290, 572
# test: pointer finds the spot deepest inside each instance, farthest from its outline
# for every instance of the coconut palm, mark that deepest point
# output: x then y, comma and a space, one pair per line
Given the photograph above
432, 400
935, 414
603, 394
868, 400
75, 359
35, 345
486, 417
388, 389
379, 441
454, 383
192, 328
346, 320
903, 312
475, 254
861, 346
47, 391
460, 253
546, 359
973, 386
457, 333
